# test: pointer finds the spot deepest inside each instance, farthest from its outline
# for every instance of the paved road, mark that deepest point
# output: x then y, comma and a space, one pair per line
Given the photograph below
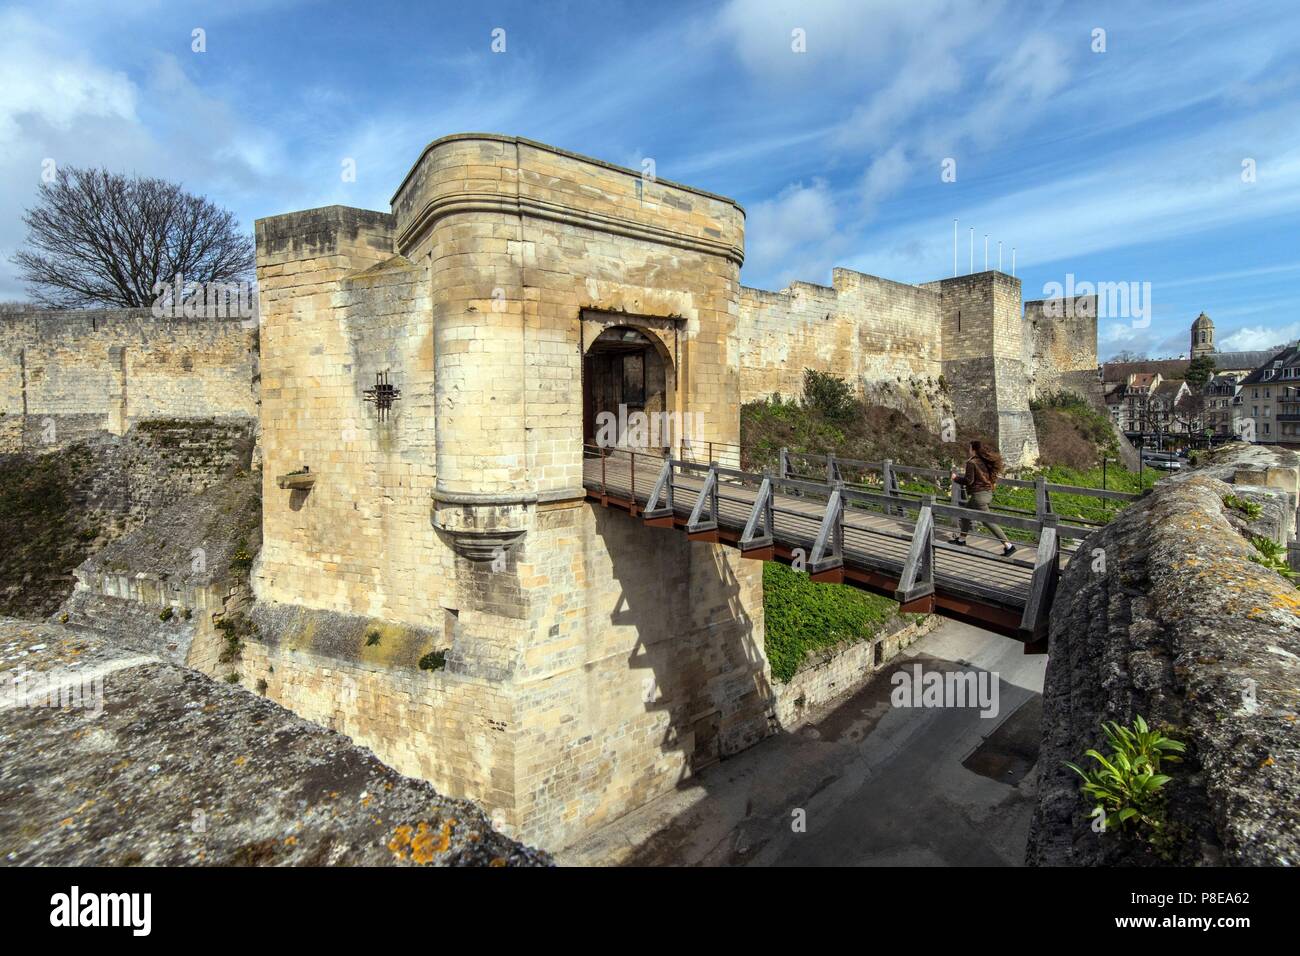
874, 784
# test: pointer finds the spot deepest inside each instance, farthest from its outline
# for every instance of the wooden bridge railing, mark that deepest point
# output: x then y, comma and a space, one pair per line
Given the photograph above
763, 498
889, 471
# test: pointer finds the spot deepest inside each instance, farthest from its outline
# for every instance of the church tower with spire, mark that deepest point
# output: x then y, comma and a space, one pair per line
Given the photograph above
1202, 336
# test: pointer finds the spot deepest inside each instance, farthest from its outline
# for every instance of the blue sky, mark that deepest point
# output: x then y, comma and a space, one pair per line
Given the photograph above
1115, 166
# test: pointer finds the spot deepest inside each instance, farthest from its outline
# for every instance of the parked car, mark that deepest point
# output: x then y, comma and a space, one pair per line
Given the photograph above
1166, 461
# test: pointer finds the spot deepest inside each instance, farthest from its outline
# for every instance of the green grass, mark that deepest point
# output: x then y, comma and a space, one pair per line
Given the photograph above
1078, 506
804, 617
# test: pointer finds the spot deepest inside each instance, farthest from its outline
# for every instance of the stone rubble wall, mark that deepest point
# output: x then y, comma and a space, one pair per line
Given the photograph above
1061, 348
841, 670
163, 587
956, 348
884, 337
113, 485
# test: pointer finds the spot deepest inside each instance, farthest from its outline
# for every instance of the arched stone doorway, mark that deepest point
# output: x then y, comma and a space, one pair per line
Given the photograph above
625, 373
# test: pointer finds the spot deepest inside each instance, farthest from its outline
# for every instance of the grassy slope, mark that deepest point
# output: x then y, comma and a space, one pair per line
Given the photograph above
804, 617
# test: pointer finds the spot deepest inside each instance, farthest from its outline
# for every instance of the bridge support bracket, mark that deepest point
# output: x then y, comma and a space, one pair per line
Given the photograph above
704, 516
920, 605
658, 511
826, 563
756, 540
916, 584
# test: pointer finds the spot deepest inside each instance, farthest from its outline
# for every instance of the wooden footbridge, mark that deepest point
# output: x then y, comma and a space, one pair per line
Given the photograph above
879, 530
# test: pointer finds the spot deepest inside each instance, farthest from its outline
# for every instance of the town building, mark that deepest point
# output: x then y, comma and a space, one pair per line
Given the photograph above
1221, 403
1270, 400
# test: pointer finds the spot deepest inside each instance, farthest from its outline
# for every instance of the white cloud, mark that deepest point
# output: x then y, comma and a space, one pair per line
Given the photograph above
929, 78
1135, 196
793, 236
849, 41
59, 103
886, 174
1258, 337
55, 91
1016, 91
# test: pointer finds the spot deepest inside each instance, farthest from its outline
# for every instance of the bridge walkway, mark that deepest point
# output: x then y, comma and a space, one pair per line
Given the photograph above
881, 541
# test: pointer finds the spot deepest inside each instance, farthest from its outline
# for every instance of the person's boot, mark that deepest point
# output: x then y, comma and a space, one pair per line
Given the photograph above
957, 539
1008, 550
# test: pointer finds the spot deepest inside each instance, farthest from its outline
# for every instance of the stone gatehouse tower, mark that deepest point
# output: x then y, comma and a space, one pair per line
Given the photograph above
426, 367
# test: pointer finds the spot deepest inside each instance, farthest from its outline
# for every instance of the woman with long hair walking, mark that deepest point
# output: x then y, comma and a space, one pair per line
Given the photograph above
983, 469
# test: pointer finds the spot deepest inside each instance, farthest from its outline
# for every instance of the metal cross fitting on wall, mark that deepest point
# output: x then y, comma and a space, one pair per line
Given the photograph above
382, 395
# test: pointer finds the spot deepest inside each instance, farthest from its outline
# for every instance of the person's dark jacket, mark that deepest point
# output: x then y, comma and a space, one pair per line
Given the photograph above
977, 477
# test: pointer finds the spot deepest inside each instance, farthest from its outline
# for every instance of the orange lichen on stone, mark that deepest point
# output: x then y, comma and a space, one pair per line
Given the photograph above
1287, 600
424, 842
291, 841
240, 761
424, 846
400, 840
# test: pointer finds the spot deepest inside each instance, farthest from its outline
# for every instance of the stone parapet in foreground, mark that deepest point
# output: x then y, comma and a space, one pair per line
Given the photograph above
1181, 626
150, 763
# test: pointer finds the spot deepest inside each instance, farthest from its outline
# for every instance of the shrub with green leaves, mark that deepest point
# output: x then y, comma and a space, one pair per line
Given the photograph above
242, 558
1251, 509
234, 628
828, 394
1126, 784
433, 661
1272, 556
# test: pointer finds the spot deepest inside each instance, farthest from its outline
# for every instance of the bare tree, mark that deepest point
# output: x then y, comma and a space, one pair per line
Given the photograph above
101, 238
1128, 355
